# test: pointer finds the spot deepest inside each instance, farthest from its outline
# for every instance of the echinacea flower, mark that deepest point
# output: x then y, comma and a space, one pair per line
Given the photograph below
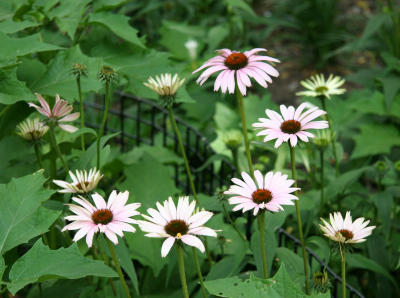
292, 124
268, 192
180, 223
60, 113
32, 130
238, 68
317, 86
111, 218
82, 182
165, 84
345, 230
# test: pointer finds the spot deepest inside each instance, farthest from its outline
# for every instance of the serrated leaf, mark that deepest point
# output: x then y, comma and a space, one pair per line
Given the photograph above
119, 24
20, 200
68, 14
9, 26
59, 79
375, 139
40, 264
15, 47
11, 89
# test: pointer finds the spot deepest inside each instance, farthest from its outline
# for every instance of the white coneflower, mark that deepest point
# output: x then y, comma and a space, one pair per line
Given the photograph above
82, 182
317, 86
32, 130
111, 218
180, 223
345, 230
165, 84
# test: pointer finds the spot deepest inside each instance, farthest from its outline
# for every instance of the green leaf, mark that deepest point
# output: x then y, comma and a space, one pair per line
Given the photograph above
118, 24
225, 117
293, 262
68, 14
20, 200
279, 286
152, 173
384, 204
270, 246
360, 261
40, 264
127, 264
375, 139
146, 250
216, 35
161, 154
341, 183
59, 79
241, 5
9, 26
11, 89
16, 47
391, 87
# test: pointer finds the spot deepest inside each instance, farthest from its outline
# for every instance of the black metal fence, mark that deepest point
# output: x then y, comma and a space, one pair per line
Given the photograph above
141, 121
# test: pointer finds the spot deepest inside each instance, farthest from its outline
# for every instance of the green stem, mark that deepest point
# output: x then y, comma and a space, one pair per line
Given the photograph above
343, 259
36, 146
322, 98
300, 225
232, 222
244, 128
103, 122
118, 268
107, 262
196, 261
322, 202
182, 271
235, 158
182, 148
261, 225
55, 146
82, 114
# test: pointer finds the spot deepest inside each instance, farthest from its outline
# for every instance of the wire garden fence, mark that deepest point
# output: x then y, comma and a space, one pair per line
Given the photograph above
141, 121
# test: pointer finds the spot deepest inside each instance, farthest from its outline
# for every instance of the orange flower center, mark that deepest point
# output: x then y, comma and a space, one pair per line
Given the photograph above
102, 216
176, 227
236, 61
291, 126
346, 234
79, 185
261, 196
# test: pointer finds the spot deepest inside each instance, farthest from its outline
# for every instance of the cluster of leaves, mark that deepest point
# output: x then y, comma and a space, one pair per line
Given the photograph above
42, 40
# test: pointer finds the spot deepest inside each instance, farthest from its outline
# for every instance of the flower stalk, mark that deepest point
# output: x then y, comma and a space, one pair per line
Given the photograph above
299, 223
261, 225
200, 275
343, 261
118, 268
322, 202
322, 98
36, 146
182, 271
56, 148
103, 122
183, 152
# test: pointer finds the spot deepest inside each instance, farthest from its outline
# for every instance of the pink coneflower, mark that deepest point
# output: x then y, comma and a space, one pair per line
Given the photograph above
269, 192
111, 218
292, 124
177, 223
244, 65
345, 230
60, 113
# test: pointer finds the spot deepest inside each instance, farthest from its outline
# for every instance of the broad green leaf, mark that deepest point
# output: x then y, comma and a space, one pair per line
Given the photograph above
320, 247
360, 261
146, 250
16, 47
161, 154
242, 5
59, 79
341, 183
216, 35
293, 262
127, 264
11, 89
276, 287
118, 24
270, 246
155, 183
384, 204
19, 203
255, 106
9, 26
40, 264
225, 117
375, 139
391, 87
68, 14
